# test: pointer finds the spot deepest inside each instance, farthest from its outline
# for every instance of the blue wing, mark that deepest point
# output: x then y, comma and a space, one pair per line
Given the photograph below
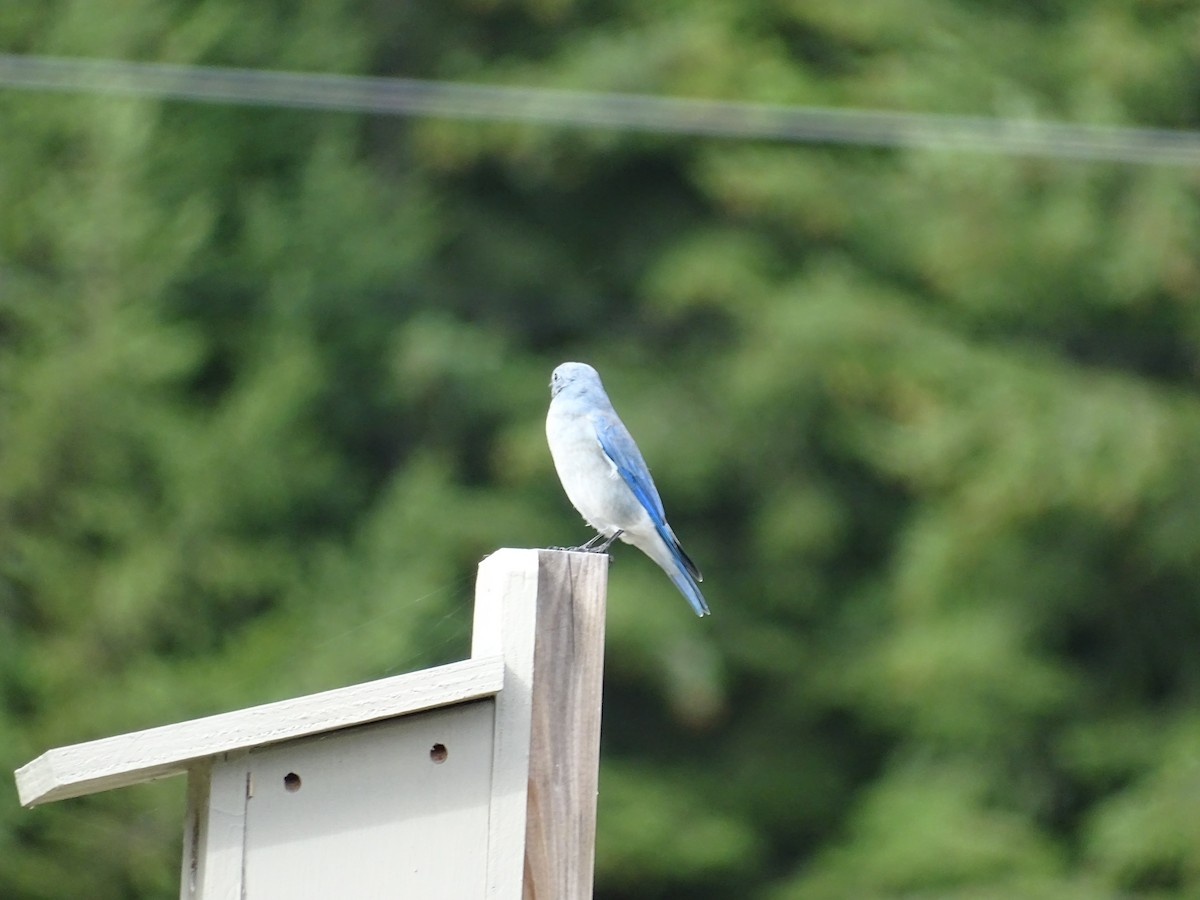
619, 447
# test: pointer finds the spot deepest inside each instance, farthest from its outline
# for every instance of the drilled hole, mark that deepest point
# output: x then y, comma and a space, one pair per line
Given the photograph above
291, 782
438, 753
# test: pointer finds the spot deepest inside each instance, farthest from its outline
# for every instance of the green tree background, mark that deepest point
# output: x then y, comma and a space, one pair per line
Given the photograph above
272, 382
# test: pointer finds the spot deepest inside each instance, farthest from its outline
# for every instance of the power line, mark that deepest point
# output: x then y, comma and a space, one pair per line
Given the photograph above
581, 109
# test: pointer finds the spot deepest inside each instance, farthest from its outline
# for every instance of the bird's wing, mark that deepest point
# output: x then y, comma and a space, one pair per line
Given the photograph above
622, 452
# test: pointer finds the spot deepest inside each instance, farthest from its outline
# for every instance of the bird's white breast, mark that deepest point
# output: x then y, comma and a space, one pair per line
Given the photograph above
591, 481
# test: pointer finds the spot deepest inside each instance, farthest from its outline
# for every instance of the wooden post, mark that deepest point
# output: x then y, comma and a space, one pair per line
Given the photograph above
553, 643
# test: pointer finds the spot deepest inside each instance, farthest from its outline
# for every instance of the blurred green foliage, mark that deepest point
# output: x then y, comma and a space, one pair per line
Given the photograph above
272, 382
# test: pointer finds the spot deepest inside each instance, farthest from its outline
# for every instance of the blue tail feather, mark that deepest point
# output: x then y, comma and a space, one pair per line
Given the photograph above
686, 574
690, 590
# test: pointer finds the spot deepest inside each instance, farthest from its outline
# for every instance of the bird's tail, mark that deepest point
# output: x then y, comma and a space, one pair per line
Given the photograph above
681, 570
683, 580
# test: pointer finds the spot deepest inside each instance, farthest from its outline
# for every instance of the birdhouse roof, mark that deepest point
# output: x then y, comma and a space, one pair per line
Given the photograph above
171, 749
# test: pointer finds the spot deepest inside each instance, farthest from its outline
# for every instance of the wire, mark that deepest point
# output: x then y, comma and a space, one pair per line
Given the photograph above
576, 109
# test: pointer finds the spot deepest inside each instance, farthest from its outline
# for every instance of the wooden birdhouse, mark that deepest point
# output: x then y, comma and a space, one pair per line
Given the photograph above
473, 779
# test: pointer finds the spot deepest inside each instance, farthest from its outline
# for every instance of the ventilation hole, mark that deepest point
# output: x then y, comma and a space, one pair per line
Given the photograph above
438, 753
291, 782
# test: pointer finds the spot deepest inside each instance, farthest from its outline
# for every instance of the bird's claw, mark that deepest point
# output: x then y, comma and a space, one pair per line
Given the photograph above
598, 544
584, 548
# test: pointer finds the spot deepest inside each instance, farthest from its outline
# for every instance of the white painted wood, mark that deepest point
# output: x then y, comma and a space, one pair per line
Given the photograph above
171, 749
505, 618
391, 810
221, 836
195, 822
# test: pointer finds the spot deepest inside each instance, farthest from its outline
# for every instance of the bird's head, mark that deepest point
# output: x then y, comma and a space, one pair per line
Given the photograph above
573, 374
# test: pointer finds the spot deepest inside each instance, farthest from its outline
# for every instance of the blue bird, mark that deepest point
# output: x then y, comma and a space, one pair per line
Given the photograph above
606, 479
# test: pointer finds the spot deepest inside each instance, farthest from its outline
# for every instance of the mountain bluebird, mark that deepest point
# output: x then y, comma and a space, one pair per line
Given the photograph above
606, 479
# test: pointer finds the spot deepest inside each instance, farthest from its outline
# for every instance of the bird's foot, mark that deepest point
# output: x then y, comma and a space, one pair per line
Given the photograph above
589, 546
598, 544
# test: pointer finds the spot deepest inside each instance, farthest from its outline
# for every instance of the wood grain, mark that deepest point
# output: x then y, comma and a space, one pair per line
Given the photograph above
564, 757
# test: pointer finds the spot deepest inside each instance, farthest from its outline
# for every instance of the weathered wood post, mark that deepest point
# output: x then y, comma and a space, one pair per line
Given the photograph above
473, 779
556, 721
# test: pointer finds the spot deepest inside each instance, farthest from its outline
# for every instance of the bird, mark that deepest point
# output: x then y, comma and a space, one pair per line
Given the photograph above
607, 480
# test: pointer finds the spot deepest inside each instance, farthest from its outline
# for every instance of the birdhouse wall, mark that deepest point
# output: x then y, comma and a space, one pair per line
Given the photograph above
393, 809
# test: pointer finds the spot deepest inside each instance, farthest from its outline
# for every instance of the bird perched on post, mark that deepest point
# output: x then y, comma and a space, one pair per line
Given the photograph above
606, 479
